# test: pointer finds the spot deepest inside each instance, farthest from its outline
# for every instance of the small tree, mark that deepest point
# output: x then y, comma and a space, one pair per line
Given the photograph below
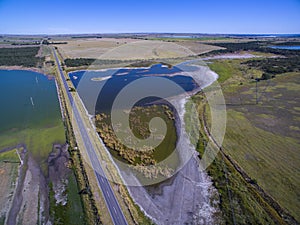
266, 76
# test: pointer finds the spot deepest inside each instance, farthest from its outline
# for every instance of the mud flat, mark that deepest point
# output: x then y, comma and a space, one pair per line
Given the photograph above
186, 199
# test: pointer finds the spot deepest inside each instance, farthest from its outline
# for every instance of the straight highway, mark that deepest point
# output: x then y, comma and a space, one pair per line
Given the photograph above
113, 206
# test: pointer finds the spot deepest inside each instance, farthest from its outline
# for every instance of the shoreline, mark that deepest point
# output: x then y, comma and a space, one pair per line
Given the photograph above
62, 110
32, 69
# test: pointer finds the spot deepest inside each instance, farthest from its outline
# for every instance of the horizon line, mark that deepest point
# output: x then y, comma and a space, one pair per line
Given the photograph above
191, 33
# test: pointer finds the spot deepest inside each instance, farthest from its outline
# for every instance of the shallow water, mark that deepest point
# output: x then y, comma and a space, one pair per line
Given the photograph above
286, 47
28, 100
98, 89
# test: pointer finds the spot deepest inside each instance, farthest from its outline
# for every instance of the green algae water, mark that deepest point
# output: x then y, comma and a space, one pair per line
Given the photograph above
30, 111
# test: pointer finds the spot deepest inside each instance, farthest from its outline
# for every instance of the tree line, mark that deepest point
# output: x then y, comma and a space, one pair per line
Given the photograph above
25, 56
89, 61
257, 46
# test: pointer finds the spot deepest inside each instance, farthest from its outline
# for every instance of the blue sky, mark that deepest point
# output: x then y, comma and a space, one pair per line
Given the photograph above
120, 16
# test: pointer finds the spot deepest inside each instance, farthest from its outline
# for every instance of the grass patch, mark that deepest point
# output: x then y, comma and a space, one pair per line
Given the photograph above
225, 69
10, 156
72, 212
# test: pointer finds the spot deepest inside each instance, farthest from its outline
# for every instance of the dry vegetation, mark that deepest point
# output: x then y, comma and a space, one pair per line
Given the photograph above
198, 47
143, 159
90, 47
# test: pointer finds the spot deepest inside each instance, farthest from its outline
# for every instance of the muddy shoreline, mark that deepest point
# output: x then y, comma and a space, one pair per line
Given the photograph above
30, 199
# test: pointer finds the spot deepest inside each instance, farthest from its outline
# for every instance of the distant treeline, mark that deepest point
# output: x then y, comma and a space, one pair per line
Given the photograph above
287, 60
25, 56
79, 62
258, 46
89, 61
26, 43
274, 66
46, 42
90, 36
288, 43
148, 63
235, 47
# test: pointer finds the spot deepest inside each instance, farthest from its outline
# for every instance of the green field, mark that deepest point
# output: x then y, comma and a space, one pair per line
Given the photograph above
263, 138
10, 156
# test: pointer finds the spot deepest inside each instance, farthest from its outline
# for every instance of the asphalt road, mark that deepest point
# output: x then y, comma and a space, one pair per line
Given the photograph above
112, 204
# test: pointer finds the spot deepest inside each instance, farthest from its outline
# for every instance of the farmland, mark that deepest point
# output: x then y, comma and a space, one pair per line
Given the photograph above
130, 49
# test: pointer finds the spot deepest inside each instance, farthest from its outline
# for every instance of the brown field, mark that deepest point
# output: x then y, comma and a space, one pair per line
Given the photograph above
198, 47
90, 47
131, 49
